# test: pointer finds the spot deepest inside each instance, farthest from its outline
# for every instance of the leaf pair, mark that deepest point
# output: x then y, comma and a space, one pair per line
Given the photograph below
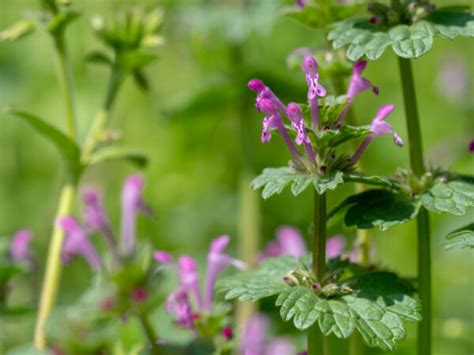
377, 307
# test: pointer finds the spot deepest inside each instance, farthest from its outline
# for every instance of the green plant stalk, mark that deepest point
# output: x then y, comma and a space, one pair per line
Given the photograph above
423, 224
150, 333
66, 199
66, 83
53, 265
316, 344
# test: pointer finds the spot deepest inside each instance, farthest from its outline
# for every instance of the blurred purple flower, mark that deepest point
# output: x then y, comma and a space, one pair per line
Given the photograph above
289, 241
378, 127
471, 146
77, 243
132, 203
310, 68
357, 85
20, 246
300, 3
253, 340
453, 79
179, 300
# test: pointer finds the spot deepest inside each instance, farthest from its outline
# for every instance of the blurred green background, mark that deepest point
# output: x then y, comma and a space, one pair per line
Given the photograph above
198, 123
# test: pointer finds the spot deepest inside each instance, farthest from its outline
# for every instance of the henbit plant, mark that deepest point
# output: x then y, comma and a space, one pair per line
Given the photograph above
339, 297
409, 27
132, 36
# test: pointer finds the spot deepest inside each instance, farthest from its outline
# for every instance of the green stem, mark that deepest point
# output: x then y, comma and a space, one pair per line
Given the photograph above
316, 345
66, 83
53, 265
149, 333
417, 165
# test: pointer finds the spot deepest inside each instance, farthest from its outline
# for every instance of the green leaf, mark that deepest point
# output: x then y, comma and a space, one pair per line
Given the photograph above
363, 39
370, 180
119, 153
377, 208
335, 137
453, 197
130, 61
274, 181
264, 281
98, 57
67, 147
18, 30
377, 305
141, 80
27, 349
460, 238
58, 23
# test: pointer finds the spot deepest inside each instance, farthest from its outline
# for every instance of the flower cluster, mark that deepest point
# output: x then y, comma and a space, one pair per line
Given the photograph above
77, 240
320, 157
187, 302
407, 12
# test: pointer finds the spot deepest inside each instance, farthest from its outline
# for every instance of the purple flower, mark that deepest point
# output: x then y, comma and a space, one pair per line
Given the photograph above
471, 146
77, 243
289, 241
217, 260
253, 340
94, 215
264, 92
297, 122
178, 303
273, 120
335, 246
453, 79
378, 127
20, 246
132, 202
300, 3
357, 85
310, 68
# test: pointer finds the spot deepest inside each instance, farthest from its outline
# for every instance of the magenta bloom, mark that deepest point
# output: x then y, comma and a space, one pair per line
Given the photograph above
357, 85
335, 246
20, 246
264, 92
254, 342
297, 122
378, 127
217, 260
300, 3
132, 203
94, 214
310, 68
471, 146
77, 243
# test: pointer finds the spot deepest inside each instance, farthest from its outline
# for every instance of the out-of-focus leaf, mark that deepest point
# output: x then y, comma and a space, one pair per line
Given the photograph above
381, 208
18, 30
370, 180
63, 19
67, 147
274, 181
141, 80
27, 349
130, 61
119, 153
460, 238
453, 197
99, 57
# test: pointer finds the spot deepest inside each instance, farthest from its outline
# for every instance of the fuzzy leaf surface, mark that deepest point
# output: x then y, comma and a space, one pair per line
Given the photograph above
363, 39
119, 153
461, 238
274, 181
453, 197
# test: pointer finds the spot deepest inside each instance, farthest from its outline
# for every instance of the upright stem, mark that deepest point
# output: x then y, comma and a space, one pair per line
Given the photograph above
66, 83
53, 265
150, 333
66, 199
316, 344
417, 165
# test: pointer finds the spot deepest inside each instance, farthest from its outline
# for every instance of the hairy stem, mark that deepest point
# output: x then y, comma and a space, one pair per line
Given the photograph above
149, 333
53, 265
417, 165
316, 345
65, 78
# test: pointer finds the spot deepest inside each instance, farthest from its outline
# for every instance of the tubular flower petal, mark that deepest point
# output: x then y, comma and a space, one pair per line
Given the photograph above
132, 203
310, 68
77, 243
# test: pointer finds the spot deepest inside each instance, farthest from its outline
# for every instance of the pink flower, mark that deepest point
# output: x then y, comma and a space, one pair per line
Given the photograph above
310, 68
77, 243
20, 246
